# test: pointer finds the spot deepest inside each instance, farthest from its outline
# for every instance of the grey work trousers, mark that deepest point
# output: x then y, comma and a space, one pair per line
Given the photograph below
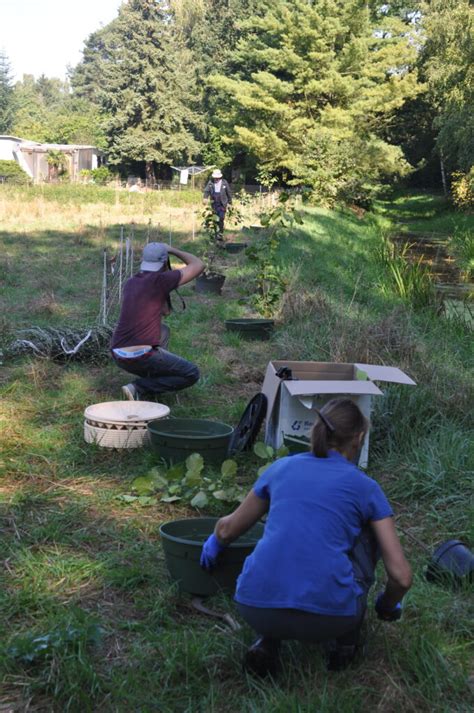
307, 626
160, 371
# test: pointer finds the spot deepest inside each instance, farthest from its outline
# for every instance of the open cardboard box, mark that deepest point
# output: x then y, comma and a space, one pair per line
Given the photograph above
291, 403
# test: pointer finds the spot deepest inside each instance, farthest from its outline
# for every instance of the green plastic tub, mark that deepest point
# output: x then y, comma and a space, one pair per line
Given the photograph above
251, 328
297, 445
174, 439
182, 542
235, 247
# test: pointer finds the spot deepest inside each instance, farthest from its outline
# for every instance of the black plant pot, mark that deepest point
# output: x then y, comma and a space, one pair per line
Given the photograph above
210, 284
251, 328
235, 247
452, 562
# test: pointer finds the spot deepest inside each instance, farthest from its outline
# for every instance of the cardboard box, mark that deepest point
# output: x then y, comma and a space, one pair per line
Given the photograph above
291, 403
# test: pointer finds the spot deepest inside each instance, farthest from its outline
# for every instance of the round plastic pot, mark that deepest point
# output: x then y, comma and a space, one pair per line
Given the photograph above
235, 247
451, 562
175, 439
211, 284
182, 542
251, 328
296, 445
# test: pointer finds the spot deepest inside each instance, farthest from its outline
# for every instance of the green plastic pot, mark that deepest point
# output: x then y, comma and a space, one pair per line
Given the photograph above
235, 247
296, 445
174, 439
182, 542
210, 284
251, 328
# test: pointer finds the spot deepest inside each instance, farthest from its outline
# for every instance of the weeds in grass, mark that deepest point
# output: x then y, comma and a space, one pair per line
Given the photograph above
409, 280
461, 246
58, 660
327, 330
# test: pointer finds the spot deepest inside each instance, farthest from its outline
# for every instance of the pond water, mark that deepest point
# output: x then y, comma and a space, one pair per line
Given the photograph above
454, 293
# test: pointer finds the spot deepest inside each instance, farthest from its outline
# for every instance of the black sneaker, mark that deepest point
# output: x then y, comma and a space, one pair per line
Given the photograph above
341, 657
262, 658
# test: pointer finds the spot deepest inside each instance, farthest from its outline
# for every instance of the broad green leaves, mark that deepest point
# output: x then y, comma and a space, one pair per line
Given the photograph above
185, 481
193, 483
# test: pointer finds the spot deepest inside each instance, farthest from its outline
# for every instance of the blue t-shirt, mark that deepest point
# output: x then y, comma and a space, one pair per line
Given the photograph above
318, 507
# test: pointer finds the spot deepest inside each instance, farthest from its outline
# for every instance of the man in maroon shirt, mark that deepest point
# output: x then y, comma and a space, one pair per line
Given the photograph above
139, 342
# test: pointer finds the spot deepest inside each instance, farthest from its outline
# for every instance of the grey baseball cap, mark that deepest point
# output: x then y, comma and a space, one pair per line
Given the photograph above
155, 255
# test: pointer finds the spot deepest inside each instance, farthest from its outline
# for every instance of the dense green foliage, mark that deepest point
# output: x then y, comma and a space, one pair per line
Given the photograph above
6, 95
151, 118
13, 173
448, 64
314, 88
342, 97
46, 111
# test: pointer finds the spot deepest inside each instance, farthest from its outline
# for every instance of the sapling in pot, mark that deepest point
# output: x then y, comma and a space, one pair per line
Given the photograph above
211, 279
271, 282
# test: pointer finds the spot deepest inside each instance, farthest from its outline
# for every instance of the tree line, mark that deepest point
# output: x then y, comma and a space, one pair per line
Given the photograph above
340, 96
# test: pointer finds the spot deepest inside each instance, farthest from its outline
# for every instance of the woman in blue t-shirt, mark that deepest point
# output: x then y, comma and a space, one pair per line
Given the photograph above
328, 523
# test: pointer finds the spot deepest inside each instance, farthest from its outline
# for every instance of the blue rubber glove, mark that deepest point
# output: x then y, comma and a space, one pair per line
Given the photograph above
386, 614
211, 550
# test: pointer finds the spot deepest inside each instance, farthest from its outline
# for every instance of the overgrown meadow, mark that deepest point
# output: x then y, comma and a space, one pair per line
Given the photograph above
89, 618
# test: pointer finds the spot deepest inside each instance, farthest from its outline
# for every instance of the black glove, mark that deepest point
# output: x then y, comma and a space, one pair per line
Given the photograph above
385, 613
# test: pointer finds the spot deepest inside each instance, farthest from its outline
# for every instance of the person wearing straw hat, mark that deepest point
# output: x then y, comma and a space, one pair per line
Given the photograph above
218, 192
140, 340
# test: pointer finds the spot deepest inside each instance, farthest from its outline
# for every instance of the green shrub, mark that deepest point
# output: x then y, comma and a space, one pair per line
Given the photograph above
461, 247
100, 175
11, 172
462, 190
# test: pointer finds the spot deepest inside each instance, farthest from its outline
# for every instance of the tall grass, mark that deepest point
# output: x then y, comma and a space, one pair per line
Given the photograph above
410, 280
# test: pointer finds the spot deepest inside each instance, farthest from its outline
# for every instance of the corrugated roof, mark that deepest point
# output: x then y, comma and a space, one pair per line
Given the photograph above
47, 147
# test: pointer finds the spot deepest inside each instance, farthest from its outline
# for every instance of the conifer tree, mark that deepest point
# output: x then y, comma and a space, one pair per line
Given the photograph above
315, 86
144, 80
7, 105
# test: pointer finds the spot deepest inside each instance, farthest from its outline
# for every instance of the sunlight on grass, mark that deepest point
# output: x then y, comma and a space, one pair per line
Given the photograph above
54, 571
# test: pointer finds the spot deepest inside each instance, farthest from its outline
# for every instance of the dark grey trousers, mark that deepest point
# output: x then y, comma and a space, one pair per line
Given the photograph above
306, 626
160, 371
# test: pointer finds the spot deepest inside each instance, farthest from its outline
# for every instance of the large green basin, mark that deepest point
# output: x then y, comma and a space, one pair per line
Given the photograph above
251, 328
182, 542
175, 439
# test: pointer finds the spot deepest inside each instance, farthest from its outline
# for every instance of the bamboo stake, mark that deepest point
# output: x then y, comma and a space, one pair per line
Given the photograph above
120, 264
103, 306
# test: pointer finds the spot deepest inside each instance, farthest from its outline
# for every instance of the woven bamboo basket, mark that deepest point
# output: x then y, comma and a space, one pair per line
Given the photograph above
121, 424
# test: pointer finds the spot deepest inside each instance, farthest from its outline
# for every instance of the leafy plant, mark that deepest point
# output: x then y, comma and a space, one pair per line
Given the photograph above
271, 283
57, 163
269, 454
11, 172
233, 213
101, 175
411, 281
210, 224
32, 648
189, 482
461, 246
462, 190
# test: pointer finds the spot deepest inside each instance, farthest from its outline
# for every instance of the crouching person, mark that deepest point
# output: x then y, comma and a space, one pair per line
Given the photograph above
328, 523
140, 341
